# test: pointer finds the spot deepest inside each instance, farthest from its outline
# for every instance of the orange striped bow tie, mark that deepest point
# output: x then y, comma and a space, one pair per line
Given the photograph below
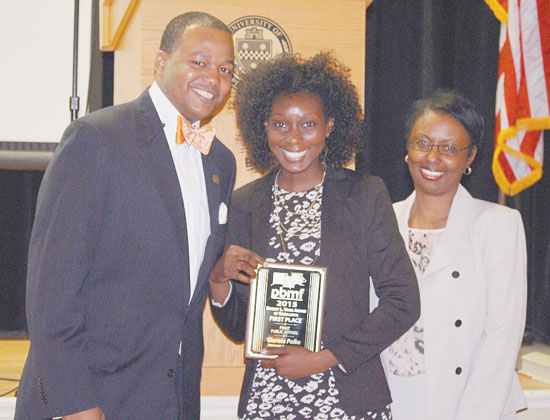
200, 137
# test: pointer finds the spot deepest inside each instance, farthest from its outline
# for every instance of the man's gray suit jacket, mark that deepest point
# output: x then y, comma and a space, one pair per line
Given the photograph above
108, 273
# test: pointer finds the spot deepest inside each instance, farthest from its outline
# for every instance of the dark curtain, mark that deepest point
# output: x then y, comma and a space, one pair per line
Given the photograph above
414, 48
18, 191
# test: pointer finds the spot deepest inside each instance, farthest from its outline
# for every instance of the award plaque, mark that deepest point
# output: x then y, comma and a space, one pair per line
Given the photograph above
285, 308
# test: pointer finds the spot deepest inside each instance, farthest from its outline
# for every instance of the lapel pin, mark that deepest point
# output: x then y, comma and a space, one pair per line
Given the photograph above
216, 179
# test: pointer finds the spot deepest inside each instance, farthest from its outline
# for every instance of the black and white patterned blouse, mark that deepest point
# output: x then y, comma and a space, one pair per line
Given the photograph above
406, 354
295, 237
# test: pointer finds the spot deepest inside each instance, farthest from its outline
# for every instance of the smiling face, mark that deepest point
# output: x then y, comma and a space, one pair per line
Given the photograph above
433, 173
296, 131
196, 76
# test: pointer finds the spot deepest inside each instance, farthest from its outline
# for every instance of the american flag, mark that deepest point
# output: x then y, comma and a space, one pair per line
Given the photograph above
523, 92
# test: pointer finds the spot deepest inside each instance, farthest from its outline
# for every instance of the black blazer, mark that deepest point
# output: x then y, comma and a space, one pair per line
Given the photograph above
108, 273
359, 238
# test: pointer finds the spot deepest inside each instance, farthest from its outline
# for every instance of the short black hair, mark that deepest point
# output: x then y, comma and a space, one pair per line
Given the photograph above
453, 104
321, 75
177, 26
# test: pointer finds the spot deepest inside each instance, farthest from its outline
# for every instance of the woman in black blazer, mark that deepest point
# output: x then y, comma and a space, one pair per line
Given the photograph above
301, 122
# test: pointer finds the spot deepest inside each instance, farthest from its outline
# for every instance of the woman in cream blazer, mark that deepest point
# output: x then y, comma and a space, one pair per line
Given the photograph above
473, 289
473, 297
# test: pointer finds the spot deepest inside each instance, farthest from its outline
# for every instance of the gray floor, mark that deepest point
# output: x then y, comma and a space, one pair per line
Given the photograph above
225, 408
212, 408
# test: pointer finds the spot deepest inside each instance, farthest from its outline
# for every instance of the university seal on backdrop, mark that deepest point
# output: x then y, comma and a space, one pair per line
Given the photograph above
256, 39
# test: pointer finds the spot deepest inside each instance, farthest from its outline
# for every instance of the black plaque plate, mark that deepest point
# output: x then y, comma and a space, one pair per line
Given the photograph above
285, 308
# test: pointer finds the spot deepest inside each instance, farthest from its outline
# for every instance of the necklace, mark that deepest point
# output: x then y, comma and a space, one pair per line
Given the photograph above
284, 245
285, 251
303, 220
279, 199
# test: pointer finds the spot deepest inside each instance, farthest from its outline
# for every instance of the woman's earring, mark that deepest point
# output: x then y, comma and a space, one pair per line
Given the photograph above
407, 158
468, 171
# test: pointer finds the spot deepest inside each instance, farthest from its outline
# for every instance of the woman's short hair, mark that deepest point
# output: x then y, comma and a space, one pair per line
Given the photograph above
322, 75
451, 103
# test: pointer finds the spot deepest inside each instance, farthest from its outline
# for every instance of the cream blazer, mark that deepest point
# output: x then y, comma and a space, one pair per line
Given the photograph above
473, 301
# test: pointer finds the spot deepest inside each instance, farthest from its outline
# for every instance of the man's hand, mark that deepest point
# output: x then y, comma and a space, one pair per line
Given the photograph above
236, 263
92, 414
294, 362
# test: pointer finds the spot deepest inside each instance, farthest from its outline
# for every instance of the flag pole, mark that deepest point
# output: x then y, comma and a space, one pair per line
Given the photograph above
75, 100
501, 197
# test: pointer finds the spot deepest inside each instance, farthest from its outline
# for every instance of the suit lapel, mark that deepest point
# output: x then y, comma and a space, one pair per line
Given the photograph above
159, 163
334, 209
453, 242
212, 179
260, 206
402, 211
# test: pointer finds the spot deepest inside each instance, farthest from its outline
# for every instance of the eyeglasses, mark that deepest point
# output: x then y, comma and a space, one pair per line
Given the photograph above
444, 149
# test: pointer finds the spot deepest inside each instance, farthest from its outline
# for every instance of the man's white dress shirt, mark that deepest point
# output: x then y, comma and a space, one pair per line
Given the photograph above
188, 163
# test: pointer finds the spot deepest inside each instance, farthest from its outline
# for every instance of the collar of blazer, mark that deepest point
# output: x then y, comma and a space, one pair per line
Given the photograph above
148, 122
455, 238
151, 135
335, 191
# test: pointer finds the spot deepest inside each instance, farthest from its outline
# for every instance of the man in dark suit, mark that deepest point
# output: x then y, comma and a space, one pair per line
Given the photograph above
127, 229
